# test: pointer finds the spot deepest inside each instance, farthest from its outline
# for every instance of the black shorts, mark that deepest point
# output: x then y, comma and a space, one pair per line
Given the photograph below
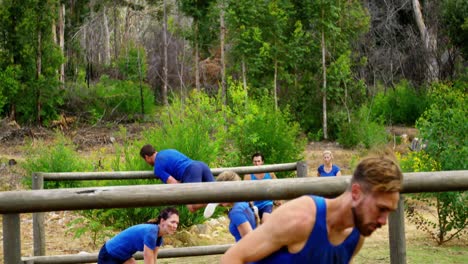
105, 258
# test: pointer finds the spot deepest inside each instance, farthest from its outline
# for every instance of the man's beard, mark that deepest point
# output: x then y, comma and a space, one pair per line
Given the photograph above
364, 229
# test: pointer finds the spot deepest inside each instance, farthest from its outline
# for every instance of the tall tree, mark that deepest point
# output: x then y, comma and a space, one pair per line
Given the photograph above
429, 41
197, 10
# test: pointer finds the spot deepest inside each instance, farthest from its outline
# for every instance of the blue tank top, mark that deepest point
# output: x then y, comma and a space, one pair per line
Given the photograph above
261, 204
317, 248
321, 170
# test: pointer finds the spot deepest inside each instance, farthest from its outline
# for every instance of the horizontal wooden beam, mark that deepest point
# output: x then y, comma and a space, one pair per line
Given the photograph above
172, 194
115, 175
163, 253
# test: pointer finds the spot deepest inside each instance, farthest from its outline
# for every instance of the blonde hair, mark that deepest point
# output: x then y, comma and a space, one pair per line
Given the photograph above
327, 152
232, 176
379, 173
228, 176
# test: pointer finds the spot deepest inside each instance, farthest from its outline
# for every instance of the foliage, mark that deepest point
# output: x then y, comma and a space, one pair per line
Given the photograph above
92, 224
401, 105
195, 127
60, 156
258, 127
361, 131
120, 98
444, 127
28, 49
9, 84
455, 18
133, 65
451, 213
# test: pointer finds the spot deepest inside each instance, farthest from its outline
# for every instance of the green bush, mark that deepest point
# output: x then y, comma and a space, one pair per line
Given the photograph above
401, 105
361, 131
258, 127
194, 126
121, 98
443, 126
60, 156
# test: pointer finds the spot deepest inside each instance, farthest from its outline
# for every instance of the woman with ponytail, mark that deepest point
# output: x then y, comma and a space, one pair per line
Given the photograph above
243, 218
147, 237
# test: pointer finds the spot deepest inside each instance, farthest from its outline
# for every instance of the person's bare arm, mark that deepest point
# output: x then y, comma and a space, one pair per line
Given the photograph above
289, 225
338, 173
172, 180
244, 228
149, 255
247, 177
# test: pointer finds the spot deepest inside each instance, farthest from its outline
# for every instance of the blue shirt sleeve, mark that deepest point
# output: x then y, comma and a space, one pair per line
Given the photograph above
150, 239
237, 217
160, 173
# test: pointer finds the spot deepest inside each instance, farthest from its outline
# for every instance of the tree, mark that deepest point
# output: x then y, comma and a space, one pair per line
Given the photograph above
198, 10
29, 49
429, 43
443, 126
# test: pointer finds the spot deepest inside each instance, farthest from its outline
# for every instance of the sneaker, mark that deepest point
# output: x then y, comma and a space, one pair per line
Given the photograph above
210, 209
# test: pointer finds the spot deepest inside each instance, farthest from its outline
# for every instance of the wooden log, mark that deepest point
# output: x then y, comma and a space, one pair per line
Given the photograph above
163, 253
38, 220
301, 169
80, 176
396, 232
11, 239
167, 194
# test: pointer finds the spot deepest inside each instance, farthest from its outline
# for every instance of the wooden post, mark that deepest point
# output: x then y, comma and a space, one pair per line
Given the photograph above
396, 230
38, 220
301, 169
11, 239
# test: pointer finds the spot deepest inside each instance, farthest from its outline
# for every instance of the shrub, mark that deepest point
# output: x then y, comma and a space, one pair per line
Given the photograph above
401, 105
443, 125
361, 131
258, 127
60, 156
195, 126
121, 98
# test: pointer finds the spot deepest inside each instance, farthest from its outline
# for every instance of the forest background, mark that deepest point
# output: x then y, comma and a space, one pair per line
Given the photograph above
219, 80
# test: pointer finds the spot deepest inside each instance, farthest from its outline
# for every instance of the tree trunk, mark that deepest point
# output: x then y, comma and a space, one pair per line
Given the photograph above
165, 44
38, 75
429, 42
244, 75
223, 63
140, 75
61, 36
106, 54
116, 31
197, 58
324, 87
275, 77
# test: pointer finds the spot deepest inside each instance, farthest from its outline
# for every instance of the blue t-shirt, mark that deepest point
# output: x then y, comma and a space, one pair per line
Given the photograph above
133, 239
170, 162
318, 248
240, 213
321, 170
263, 203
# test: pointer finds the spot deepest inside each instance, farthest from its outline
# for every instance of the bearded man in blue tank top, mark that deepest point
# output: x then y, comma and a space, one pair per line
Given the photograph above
171, 166
312, 229
265, 207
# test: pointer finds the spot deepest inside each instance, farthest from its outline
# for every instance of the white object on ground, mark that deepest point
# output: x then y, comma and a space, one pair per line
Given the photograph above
210, 209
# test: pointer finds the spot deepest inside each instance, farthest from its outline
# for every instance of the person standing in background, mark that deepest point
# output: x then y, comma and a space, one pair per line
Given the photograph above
328, 169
